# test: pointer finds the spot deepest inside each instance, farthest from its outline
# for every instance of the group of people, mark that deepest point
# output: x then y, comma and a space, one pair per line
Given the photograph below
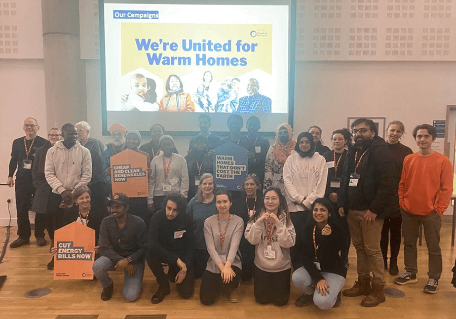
298, 209
208, 98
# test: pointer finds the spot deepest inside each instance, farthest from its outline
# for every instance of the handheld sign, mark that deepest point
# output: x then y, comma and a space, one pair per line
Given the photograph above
230, 166
75, 252
129, 173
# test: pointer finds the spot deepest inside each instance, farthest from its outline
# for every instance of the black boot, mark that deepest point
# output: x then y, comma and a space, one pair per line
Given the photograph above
106, 293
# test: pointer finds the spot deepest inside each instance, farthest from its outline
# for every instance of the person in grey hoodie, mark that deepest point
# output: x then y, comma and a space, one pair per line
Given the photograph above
68, 165
272, 233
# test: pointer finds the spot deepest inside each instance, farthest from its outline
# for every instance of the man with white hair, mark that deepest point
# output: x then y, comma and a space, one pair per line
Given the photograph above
118, 132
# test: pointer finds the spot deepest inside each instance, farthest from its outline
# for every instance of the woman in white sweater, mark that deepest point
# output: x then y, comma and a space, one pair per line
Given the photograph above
272, 233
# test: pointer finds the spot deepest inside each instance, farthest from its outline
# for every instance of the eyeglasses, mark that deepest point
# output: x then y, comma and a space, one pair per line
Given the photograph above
361, 130
54, 135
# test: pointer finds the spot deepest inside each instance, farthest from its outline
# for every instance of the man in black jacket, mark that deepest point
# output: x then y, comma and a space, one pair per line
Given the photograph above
368, 186
171, 242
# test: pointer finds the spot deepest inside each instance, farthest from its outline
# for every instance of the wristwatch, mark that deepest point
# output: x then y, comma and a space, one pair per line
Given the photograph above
129, 259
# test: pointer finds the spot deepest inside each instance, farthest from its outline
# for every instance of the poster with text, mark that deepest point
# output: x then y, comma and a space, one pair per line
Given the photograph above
75, 252
230, 166
129, 173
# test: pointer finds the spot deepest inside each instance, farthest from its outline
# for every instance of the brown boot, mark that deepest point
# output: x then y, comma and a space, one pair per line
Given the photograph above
361, 287
375, 298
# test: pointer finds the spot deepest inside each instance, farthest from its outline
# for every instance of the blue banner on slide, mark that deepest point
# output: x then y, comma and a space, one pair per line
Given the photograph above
135, 14
230, 166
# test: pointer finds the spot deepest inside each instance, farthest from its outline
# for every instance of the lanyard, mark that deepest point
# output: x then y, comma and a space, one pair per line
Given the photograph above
270, 229
166, 167
315, 242
198, 166
27, 151
359, 161
222, 236
336, 163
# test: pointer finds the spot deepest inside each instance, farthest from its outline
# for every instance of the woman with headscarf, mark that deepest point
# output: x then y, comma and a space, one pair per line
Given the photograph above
176, 100
276, 157
304, 174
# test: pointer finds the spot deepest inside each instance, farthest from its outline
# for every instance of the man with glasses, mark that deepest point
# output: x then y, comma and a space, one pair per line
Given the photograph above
368, 186
22, 156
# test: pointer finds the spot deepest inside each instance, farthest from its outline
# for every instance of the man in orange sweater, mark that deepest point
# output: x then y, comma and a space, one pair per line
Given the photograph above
424, 194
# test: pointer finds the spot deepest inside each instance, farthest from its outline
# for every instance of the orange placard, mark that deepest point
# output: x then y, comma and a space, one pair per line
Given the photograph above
75, 252
129, 173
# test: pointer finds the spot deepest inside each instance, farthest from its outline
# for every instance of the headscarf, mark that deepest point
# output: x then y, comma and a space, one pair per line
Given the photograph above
283, 150
310, 152
164, 137
117, 127
134, 132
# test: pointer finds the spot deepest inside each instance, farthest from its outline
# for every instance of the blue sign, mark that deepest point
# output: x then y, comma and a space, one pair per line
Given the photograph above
230, 166
135, 14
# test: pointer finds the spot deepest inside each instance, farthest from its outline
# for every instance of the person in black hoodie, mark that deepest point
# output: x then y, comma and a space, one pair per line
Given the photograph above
368, 186
320, 272
171, 241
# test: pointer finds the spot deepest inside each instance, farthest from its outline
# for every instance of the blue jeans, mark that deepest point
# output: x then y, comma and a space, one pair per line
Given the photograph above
132, 285
303, 281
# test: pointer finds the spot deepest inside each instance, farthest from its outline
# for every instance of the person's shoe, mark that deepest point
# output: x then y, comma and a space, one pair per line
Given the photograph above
375, 298
19, 242
235, 295
304, 300
50, 265
406, 278
106, 293
338, 300
159, 296
431, 286
394, 270
40, 241
361, 287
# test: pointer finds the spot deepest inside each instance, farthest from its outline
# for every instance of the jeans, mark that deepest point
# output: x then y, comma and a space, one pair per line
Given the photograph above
132, 285
366, 239
303, 281
431, 224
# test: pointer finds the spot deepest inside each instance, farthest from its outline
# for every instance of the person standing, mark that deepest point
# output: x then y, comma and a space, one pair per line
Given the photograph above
171, 241
153, 147
204, 124
316, 133
258, 145
391, 231
122, 247
369, 184
22, 156
118, 132
424, 194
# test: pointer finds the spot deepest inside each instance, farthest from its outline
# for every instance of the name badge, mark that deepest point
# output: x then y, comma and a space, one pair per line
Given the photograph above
269, 253
334, 182
317, 265
197, 180
330, 164
251, 212
179, 234
258, 149
167, 187
27, 164
354, 178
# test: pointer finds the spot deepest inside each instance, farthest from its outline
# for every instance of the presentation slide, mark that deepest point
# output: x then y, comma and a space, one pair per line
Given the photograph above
168, 63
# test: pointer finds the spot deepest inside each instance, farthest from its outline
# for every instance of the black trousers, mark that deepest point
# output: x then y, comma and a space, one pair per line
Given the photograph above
391, 232
185, 288
341, 221
200, 262
272, 286
24, 195
98, 197
56, 212
299, 220
248, 257
212, 283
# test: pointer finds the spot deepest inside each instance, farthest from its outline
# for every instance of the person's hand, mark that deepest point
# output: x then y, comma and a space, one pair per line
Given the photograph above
326, 231
333, 197
210, 153
322, 287
107, 171
54, 250
124, 97
369, 217
272, 218
227, 274
96, 249
66, 196
341, 211
10, 182
122, 264
150, 207
263, 217
130, 269
180, 276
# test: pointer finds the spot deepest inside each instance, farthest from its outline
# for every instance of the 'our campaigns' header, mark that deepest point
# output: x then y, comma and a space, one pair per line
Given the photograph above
135, 14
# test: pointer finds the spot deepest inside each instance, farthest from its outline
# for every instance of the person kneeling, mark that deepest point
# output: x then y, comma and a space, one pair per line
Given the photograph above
123, 246
320, 272
171, 242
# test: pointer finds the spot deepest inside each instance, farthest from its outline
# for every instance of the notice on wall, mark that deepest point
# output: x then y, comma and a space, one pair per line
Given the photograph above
230, 166
75, 252
129, 173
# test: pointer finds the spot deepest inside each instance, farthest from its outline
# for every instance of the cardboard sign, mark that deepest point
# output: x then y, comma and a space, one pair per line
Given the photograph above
75, 252
230, 166
129, 173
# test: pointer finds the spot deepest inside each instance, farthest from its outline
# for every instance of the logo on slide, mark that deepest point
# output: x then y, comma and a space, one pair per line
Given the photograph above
258, 33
